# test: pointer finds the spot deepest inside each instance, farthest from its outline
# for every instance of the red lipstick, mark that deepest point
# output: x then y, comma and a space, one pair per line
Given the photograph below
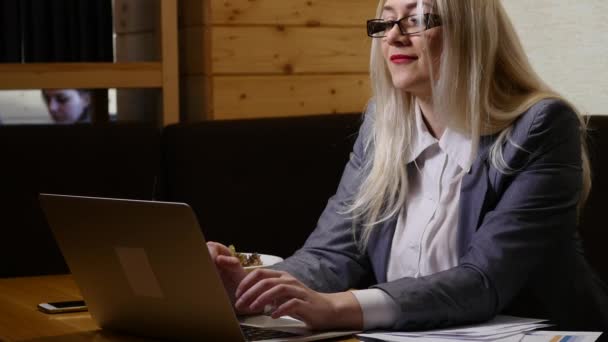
403, 59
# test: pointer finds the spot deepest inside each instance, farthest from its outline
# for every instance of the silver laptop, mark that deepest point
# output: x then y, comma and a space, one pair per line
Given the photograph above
143, 268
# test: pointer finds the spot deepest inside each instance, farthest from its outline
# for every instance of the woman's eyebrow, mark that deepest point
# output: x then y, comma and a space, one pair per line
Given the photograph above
408, 7
388, 9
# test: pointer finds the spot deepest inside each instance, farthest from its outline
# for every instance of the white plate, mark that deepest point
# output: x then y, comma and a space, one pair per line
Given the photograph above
267, 260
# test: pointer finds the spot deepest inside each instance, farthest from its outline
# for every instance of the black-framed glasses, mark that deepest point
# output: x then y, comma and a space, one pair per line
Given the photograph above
378, 28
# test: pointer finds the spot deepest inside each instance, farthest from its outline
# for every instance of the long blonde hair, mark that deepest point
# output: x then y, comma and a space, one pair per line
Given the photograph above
485, 82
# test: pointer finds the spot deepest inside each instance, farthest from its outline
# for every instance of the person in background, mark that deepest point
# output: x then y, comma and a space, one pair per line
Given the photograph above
68, 106
460, 200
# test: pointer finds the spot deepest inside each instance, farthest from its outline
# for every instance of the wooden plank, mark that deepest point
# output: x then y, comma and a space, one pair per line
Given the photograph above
195, 97
137, 47
195, 45
139, 104
286, 50
80, 75
272, 96
193, 12
170, 62
132, 16
292, 12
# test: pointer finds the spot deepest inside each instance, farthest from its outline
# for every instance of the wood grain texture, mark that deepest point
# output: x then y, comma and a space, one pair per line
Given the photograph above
292, 12
240, 58
273, 96
81, 75
21, 321
274, 50
133, 16
193, 12
196, 97
195, 47
289, 50
170, 62
138, 47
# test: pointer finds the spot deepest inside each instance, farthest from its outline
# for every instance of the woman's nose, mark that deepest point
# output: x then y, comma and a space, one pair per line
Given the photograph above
53, 105
395, 37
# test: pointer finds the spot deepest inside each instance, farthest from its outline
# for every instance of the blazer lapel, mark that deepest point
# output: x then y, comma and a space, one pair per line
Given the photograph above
379, 248
473, 191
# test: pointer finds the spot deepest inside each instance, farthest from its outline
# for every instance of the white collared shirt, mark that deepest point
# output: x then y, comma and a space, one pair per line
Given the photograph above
425, 240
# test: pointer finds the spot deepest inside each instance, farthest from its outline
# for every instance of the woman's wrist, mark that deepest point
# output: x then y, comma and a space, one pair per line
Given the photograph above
348, 313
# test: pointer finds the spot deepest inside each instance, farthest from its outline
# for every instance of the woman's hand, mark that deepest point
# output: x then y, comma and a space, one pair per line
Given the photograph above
264, 288
229, 267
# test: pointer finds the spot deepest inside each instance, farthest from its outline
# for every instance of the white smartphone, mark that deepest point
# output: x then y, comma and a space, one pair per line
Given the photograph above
59, 307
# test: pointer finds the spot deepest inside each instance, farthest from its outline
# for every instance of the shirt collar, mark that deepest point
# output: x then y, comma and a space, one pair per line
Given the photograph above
421, 137
458, 147
455, 144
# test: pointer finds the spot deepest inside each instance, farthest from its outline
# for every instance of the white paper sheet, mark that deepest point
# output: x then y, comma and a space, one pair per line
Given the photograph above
501, 328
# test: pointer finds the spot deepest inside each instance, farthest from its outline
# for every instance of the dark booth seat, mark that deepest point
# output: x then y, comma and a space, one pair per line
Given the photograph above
258, 184
593, 223
261, 184
117, 160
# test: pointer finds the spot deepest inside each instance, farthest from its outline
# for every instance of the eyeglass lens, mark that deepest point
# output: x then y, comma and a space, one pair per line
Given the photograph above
408, 25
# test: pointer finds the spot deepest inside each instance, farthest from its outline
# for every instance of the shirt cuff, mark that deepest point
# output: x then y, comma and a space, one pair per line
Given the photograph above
379, 309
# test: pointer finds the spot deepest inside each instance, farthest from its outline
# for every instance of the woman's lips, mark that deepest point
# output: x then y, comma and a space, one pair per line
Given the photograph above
403, 59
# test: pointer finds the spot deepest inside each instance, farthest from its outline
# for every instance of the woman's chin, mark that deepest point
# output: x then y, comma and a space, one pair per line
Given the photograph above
63, 120
414, 88
404, 87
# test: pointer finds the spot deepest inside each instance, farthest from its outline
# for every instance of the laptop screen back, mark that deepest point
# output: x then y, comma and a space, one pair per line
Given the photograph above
142, 267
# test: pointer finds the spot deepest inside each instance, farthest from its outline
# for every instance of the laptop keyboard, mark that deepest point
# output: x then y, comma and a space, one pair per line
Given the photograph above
258, 334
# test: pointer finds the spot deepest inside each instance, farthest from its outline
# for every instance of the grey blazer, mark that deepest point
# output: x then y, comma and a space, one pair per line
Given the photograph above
519, 250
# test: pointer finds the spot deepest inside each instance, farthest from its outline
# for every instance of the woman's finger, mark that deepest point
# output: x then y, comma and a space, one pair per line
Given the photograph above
229, 261
223, 259
279, 292
249, 295
292, 308
254, 277
216, 249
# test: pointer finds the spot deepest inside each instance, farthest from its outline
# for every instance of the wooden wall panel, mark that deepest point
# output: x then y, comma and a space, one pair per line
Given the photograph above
271, 96
193, 12
132, 16
137, 47
195, 56
196, 97
136, 23
292, 12
264, 58
289, 50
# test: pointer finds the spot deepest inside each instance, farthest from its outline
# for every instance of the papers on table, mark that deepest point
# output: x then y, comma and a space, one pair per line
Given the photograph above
292, 325
501, 328
560, 336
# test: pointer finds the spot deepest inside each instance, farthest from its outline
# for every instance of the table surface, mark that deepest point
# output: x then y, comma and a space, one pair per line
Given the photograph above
20, 319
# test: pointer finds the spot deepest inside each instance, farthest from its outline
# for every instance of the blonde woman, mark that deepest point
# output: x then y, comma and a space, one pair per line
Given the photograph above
461, 196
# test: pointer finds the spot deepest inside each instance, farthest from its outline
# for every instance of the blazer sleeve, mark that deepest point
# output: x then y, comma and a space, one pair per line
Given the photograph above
331, 260
535, 211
